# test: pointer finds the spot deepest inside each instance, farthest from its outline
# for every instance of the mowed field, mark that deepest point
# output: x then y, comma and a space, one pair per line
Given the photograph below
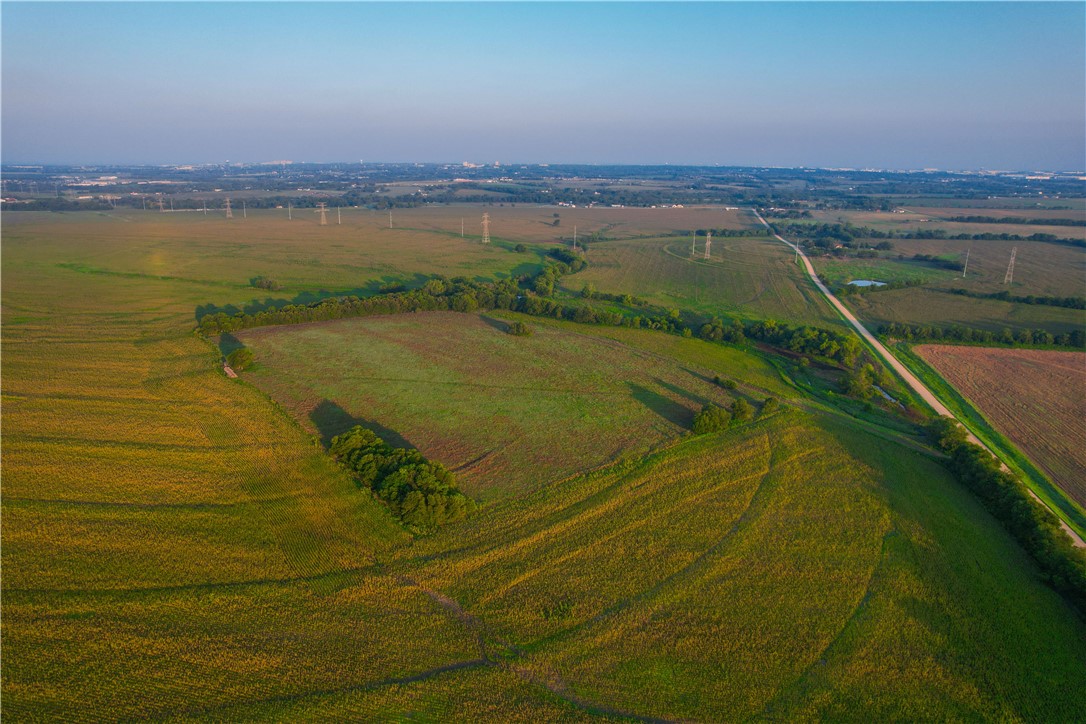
1036, 398
176, 546
506, 413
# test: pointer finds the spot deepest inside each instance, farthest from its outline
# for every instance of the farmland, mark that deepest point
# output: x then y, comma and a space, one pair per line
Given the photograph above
506, 413
177, 545
1043, 413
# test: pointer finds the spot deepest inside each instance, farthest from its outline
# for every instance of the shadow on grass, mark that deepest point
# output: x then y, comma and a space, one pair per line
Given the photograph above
370, 289
665, 407
497, 324
331, 420
228, 343
696, 399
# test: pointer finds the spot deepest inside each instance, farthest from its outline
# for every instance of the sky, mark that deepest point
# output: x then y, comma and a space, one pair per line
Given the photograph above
880, 85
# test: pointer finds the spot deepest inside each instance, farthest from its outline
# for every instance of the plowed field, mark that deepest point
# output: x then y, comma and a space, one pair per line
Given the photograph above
1037, 398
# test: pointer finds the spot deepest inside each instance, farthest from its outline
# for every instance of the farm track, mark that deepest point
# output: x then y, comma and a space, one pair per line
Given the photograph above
919, 387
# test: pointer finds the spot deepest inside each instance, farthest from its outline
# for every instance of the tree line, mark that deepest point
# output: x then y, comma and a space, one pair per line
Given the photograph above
1016, 220
421, 493
846, 233
1067, 302
958, 333
1035, 528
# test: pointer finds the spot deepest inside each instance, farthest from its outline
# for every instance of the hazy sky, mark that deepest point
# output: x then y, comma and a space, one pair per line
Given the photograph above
903, 85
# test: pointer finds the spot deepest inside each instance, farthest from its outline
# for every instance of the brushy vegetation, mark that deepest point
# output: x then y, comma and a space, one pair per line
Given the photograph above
420, 493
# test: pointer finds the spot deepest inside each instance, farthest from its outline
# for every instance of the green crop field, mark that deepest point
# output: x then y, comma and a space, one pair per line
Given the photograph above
177, 546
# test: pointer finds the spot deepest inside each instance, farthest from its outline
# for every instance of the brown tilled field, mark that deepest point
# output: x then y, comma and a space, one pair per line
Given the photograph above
1037, 398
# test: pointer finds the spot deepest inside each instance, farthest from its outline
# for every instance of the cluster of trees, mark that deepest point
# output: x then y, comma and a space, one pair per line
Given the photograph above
590, 292
422, 494
731, 233
841, 348
957, 333
861, 381
1016, 220
1068, 302
713, 418
1035, 528
263, 282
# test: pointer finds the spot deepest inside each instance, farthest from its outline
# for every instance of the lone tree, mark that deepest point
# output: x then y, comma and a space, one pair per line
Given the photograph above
711, 419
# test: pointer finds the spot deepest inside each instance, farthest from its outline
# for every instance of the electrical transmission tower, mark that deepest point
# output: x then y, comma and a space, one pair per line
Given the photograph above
229, 211
965, 267
1009, 277
390, 218
693, 242
708, 242
244, 211
486, 228
339, 215
324, 218
290, 215
574, 238
461, 227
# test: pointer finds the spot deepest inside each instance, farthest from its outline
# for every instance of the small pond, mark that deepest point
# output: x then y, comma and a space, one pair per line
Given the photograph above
866, 283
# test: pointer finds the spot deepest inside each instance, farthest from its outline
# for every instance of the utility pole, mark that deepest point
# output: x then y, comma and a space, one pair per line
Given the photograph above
229, 211
486, 228
1009, 277
708, 241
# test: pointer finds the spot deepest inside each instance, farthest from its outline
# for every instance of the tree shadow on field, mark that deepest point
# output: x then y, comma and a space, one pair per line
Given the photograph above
331, 420
696, 399
228, 343
665, 407
495, 323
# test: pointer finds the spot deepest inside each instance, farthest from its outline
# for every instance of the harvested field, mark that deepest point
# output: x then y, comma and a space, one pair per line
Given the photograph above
1037, 398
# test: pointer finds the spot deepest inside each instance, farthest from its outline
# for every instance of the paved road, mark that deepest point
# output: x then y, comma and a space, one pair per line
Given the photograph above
918, 387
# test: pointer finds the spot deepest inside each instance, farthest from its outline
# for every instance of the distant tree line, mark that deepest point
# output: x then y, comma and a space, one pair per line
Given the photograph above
421, 493
1016, 220
1035, 528
846, 233
968, 335
1067, 302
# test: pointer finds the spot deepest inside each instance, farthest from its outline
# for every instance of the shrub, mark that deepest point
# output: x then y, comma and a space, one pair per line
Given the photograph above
520, 248
519, 329
711, 419
770, 405
263, 282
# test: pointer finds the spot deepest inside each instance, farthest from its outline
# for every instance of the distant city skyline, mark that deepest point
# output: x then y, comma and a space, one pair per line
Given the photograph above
953, 86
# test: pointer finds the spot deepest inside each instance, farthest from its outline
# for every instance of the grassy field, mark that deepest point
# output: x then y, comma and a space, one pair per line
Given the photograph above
1043, 412
176, 546
507, 413
746, 277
